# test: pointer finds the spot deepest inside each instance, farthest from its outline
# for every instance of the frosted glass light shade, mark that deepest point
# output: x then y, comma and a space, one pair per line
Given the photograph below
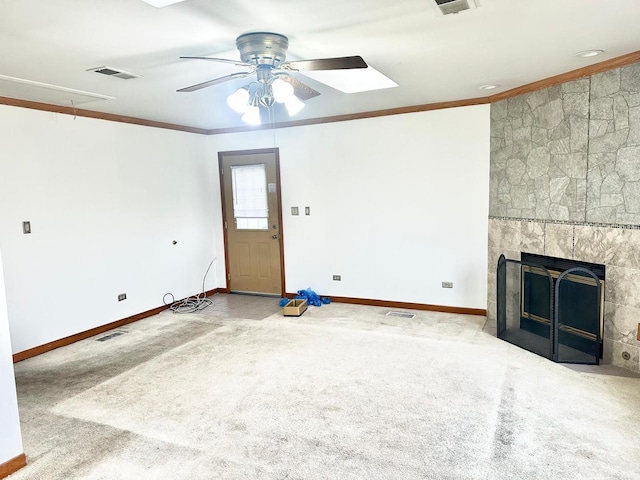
294, 105
239, 100
252, 115
282, 90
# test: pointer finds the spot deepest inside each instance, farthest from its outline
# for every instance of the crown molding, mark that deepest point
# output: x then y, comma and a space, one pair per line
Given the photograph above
356, 116
78, 112
604, 66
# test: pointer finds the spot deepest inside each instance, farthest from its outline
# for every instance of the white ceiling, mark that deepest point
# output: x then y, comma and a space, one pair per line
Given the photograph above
434, 58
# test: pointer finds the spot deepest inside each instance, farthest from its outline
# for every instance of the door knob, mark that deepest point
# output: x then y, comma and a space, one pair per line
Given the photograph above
275, 237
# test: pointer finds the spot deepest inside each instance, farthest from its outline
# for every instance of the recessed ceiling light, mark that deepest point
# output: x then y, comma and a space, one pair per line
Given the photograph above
162, 3
488, 87
589, 53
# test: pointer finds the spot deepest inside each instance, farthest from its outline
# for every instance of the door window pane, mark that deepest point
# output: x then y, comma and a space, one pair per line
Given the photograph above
250, 205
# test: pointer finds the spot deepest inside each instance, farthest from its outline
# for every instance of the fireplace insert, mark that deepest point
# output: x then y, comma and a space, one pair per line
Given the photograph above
552, 306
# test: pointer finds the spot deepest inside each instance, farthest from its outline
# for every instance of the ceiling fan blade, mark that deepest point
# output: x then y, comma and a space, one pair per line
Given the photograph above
222, 60
215, 81
338, 63
300, 90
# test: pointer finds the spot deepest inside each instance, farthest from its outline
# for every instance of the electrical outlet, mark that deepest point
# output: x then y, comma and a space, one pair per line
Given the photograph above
337, 278
122, 296
26, 227
307, 210
447, 284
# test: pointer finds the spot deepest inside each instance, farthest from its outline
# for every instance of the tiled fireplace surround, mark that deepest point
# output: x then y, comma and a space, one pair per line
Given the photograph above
565, 182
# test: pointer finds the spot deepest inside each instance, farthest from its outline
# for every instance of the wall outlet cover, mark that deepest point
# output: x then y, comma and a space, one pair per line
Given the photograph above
447, 284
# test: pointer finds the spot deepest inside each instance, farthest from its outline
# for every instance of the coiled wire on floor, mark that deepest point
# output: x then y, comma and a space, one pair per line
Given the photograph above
190, 304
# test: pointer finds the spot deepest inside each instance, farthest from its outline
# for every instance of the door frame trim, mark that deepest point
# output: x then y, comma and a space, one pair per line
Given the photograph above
276, 152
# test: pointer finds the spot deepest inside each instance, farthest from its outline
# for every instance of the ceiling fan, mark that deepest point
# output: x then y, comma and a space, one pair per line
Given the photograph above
264, 54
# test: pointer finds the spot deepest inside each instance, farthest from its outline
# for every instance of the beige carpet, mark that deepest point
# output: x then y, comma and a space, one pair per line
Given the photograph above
343, 392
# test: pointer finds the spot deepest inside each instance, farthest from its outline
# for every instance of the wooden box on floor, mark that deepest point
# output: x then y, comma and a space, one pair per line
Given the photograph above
294, 308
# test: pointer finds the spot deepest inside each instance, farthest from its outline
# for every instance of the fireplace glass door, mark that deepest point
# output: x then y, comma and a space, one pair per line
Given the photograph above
579, 308
525, 319
551, 307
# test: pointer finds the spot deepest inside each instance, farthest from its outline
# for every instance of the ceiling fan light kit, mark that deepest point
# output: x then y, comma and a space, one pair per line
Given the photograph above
264, 54
293, 105
269, 89
239, 100
282, 90
251, 114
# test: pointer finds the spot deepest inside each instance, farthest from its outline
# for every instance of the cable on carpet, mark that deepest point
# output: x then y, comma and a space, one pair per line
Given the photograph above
190, 304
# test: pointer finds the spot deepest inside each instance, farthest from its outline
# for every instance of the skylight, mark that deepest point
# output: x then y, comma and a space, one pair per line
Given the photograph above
353, 81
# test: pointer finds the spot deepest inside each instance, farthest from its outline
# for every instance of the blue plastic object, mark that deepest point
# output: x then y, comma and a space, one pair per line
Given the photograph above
283, 301
312, 297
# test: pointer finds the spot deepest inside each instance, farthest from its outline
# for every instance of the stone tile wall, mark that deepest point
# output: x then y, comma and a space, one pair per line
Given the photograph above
565, 182
539, 154
613, 179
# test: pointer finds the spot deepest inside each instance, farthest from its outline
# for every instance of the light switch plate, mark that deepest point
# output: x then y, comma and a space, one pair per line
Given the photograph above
307, 210
26, 227
294, 211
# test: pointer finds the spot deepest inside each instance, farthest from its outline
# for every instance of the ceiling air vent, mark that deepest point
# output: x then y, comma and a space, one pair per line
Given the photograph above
114, 72
448, 7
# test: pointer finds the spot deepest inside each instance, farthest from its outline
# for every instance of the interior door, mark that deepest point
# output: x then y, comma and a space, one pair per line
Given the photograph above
250, 184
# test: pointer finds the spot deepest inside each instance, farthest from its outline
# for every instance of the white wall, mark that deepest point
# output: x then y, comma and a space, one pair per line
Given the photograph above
105, 201
398, 205
10, 438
